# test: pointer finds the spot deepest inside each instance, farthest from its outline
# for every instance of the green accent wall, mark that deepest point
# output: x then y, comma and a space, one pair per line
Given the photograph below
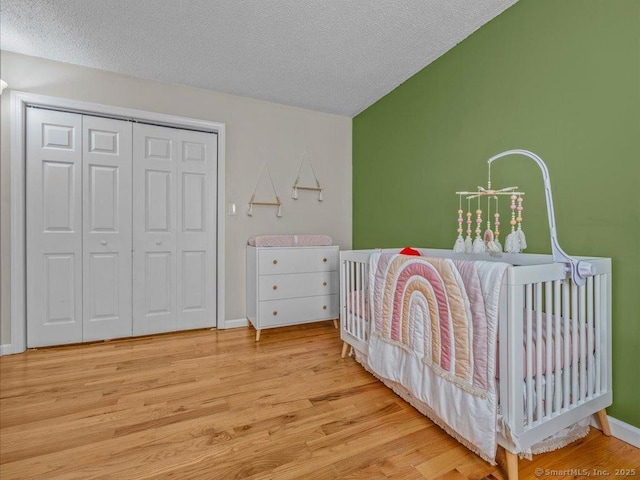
559, 78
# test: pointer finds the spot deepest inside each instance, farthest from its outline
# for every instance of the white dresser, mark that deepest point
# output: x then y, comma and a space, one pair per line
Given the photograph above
289, 286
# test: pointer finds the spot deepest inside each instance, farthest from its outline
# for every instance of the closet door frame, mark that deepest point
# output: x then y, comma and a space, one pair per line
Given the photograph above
20, 101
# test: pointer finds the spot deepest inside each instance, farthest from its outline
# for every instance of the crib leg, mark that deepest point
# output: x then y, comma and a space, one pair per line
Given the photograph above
345, 346
604, 422
512, 465
335, 323
257, 334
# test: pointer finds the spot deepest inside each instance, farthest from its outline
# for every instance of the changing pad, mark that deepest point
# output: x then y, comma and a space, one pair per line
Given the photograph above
290, 241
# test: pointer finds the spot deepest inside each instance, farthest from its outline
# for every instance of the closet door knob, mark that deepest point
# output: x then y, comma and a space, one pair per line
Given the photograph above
324, 307
158, 242
103, 242
275, 262
275, 312
324, 260
275, 287
324, 284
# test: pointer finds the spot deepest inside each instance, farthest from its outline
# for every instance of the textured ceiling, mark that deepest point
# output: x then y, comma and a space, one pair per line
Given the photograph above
336, 56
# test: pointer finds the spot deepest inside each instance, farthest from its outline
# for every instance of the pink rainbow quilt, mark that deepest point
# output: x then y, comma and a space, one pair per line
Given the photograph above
434, 332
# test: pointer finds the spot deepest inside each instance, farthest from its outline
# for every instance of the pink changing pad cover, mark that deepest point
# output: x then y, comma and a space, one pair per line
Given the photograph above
290, 241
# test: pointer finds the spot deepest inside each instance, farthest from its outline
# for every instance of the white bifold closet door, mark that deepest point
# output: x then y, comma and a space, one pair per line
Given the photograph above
54, 228
174, 229
106, 219
121, 228
78, 228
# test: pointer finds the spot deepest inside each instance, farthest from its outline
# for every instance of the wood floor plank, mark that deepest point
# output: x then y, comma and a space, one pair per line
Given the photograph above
218, 405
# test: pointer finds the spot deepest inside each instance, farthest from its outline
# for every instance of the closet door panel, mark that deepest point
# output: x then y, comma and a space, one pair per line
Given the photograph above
158, 276
59, 289
196, 240
107, 241
157, 208
193, 294
58, 195
104, 302
154, 228
54, 228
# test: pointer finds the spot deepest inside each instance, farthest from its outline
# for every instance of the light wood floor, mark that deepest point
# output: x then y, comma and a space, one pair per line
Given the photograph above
216, 405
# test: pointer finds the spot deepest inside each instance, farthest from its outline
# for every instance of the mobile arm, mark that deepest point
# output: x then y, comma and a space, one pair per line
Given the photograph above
580, 269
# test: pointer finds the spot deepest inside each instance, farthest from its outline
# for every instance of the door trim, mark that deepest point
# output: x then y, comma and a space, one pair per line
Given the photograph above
19, 103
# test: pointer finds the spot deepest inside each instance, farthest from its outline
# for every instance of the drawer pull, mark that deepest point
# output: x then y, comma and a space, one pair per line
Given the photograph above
275, 287
324, 284
324, 307
324, 260
275, 262
275, 312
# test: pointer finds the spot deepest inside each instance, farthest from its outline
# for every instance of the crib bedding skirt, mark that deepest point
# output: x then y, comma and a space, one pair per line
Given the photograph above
558, 440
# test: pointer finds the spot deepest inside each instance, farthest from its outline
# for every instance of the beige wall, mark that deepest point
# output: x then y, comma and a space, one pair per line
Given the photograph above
256, 131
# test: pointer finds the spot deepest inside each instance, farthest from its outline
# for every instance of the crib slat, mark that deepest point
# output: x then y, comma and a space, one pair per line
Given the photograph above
359, 297
358, 312
566, 301
363, 313
583, 342
597, 326
529, 349
347, 300
513, 370
366, 318
539, 345
590, 365
557, 364
606, 332
355, 314
350, 296
345, 286
343, 301
548, 342
574, 343
356, 306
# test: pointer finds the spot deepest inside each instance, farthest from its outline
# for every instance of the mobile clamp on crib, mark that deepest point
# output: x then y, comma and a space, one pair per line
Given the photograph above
579, 269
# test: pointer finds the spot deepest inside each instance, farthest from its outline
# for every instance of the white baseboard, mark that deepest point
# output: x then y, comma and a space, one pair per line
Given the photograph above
235, 323
625, 432
7, 348
621, 430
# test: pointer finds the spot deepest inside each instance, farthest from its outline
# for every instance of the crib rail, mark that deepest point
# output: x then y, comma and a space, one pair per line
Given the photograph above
554, 340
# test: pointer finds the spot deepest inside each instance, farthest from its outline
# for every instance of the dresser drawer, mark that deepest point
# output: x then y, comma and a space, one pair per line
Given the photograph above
297, 260
293, 285
297, 310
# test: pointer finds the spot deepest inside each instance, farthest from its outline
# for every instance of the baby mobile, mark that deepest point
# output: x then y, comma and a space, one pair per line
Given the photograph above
489, 241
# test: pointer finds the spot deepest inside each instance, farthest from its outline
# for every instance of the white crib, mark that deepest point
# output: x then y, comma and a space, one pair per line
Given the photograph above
535, 402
